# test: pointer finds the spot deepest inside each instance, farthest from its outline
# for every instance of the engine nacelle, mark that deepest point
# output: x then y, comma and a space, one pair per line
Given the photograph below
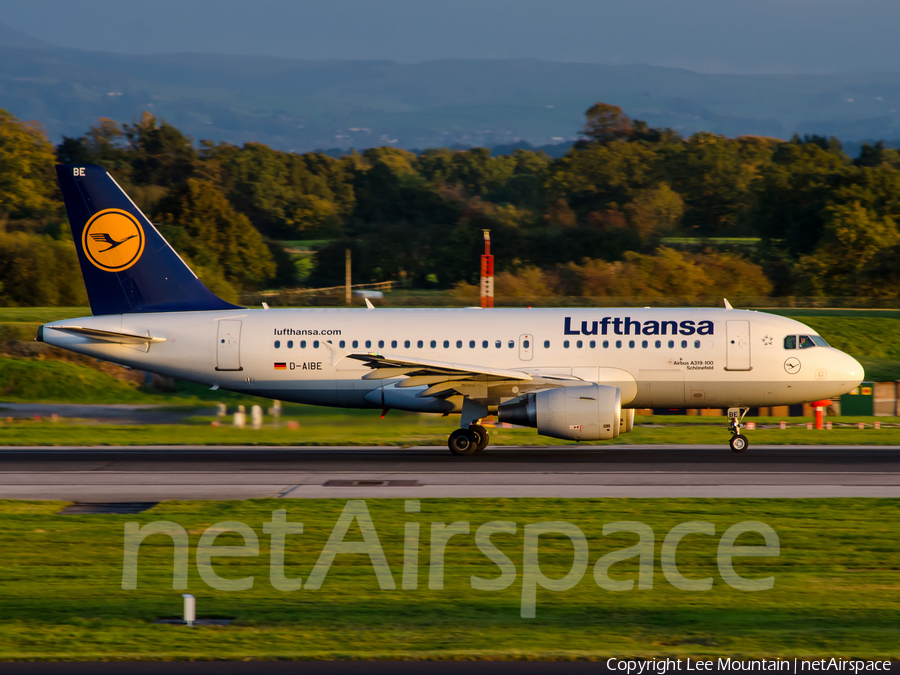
584, 413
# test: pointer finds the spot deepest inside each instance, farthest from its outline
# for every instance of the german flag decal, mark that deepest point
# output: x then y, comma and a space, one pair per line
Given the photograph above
280, 366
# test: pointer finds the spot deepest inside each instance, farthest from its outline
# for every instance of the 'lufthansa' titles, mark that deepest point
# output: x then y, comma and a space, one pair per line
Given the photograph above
627, 326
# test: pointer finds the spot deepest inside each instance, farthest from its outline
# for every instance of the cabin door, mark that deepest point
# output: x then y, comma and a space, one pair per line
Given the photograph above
737, 355
228, 346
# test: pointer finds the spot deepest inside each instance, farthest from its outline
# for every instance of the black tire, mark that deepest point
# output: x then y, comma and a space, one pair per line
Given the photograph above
462, 442
739, 443
482, 436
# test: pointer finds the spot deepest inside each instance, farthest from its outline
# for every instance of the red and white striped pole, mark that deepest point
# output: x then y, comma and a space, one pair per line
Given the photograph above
487, 273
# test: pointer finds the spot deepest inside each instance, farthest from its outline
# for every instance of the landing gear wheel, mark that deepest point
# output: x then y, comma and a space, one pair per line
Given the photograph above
482, 436
739, 443
463, 442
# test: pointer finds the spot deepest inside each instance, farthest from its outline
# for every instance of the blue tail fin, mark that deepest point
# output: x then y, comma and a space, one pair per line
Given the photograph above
127, 264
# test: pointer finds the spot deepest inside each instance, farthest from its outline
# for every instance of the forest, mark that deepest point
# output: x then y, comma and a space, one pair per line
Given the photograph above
631, 211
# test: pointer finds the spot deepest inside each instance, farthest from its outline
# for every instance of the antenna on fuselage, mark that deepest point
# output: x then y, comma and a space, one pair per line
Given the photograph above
727, 304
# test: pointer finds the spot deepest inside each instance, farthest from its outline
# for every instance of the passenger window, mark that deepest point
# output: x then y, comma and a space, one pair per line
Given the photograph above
380, 344
512, 344
459, 344
790, 342
579, 344
420, 344
355, 344
484, 344
606, 344
290, 344
302, 344
618, 344
471, 344
527, 344
631, 344
341, 344
446, 344
593, 344
684, 344
277, 344
696, 344
644, 344
546, 344
658, 344
393, 344
671, 344
369, 344
806, 342
565, 344
498, 344
315, 344
406, 344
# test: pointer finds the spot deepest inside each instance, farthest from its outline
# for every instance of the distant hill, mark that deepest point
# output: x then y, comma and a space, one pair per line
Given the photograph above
301, 105
10, 37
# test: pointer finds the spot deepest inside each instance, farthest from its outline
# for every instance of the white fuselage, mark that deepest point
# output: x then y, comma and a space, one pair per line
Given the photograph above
659, 358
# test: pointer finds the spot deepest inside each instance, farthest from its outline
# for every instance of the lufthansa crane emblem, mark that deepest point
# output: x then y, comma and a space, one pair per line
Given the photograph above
792, 365
113, 240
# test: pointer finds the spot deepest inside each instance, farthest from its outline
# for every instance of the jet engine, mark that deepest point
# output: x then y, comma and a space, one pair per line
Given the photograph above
583, 413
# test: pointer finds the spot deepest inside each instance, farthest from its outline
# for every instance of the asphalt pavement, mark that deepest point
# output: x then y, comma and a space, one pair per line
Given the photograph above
119, 474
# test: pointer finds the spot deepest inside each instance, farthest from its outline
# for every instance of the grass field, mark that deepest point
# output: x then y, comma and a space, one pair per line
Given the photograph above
319, 426
835, 585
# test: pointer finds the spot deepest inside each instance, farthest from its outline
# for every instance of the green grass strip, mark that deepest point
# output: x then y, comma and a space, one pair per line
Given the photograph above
835, 590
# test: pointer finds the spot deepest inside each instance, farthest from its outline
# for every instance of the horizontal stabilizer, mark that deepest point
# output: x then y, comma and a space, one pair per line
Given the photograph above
109, 336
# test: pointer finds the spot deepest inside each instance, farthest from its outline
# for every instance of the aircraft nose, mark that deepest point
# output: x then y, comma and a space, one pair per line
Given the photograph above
849, 371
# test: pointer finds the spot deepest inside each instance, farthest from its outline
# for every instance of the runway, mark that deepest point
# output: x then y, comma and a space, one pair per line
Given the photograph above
126, 474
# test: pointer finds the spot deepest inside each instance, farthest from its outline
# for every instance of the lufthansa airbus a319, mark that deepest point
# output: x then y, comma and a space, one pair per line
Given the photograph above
574, 374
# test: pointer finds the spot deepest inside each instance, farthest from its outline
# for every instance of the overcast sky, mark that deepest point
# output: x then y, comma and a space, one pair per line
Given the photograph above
746, 36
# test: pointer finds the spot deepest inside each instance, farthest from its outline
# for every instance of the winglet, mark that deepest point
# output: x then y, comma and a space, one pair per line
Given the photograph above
727, 304
369, 304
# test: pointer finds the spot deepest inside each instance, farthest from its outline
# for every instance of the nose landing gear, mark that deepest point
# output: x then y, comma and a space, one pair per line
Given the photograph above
738, 441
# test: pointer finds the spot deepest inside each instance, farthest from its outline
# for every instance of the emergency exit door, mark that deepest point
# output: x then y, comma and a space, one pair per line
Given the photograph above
526, 347
228, 346
737, 354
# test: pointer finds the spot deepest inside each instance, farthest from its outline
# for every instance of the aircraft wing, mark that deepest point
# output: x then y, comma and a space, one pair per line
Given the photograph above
442, 378
385, 366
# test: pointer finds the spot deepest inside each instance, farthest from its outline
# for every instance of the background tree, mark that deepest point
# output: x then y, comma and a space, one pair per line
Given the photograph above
27, 177
605, 123
214, 235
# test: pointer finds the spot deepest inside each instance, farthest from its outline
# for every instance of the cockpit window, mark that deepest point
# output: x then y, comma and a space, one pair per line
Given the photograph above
803, 342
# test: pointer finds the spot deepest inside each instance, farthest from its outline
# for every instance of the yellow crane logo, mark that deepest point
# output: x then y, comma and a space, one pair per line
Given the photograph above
113, 240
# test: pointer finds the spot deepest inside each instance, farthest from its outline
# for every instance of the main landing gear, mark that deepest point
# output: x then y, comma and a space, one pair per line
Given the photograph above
738, 441
468, 441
